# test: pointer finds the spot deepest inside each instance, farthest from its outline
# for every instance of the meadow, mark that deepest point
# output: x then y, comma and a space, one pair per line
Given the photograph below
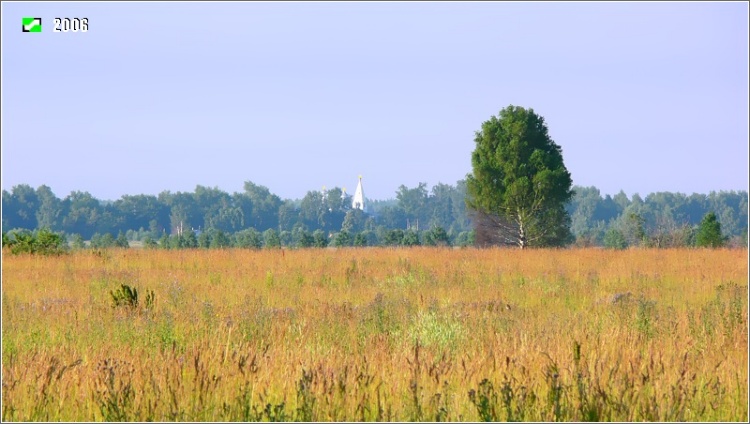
376, 334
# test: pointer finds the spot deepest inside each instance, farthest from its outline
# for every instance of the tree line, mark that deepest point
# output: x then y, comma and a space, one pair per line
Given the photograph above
662, 219
210, 217
255, 218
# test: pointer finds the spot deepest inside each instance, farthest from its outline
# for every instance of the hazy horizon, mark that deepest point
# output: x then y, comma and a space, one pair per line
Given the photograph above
642, 97
350, 192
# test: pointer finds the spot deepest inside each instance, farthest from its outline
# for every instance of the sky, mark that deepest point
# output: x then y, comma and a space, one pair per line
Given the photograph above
641, 97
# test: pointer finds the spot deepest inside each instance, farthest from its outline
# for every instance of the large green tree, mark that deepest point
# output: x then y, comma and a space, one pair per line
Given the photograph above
519, 185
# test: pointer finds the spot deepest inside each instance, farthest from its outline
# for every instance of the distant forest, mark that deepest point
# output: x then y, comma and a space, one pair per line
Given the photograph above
256, 218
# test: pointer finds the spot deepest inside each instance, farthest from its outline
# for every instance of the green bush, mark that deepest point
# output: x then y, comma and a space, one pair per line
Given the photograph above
437, 237
709, 232
342, 239
126, 296
614, 239
42, 242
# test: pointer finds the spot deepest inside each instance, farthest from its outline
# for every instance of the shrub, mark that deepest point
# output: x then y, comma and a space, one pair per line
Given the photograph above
149, 243
319, 238
437, 237
709, 232
271, 239
121, 240
342, 239
614, 239
126, 296
43, 242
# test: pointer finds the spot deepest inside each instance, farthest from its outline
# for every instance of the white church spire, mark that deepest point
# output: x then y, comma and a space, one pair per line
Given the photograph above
358, 202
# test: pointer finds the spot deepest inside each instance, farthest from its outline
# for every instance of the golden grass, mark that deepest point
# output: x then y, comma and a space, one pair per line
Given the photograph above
377, 334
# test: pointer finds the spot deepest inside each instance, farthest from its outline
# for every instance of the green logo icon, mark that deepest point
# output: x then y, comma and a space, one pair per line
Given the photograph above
31, 24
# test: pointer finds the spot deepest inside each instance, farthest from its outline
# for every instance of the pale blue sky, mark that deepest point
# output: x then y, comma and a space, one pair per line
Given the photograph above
642, 97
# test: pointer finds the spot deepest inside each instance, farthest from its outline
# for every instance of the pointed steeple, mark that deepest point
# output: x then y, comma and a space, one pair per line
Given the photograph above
358, 202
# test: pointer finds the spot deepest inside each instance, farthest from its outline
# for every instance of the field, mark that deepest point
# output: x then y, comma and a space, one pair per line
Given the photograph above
414, 334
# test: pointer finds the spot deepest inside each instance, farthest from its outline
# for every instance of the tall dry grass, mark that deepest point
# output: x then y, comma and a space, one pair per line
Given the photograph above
377, 334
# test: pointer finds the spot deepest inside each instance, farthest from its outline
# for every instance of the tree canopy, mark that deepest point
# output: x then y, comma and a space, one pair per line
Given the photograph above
519, 186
